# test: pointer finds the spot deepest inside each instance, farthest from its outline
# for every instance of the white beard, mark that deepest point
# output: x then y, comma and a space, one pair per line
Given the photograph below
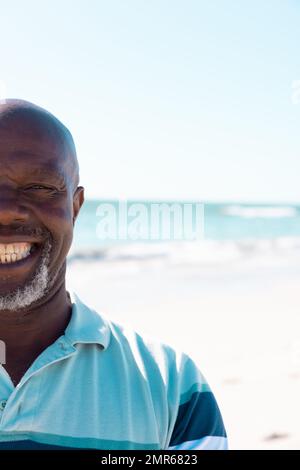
32, 291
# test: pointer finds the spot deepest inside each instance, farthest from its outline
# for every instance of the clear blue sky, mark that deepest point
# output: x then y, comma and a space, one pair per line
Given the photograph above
165, 98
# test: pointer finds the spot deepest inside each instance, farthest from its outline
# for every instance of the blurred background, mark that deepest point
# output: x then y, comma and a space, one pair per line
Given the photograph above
184, 101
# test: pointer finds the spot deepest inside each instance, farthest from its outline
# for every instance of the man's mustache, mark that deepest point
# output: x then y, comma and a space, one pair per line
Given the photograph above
35, 232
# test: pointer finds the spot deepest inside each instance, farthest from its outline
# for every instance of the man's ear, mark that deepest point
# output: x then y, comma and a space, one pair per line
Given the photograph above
78, 200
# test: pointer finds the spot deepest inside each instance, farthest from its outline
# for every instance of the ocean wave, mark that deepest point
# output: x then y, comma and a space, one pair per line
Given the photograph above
260, 211
203, 252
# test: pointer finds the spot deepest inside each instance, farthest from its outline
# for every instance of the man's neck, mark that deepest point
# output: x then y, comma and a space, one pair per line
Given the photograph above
28, 333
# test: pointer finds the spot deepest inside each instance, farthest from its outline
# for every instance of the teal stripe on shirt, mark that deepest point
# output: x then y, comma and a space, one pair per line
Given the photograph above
78, 442
198, 418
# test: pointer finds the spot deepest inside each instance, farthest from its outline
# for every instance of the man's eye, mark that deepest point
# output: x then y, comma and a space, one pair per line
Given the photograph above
38, 186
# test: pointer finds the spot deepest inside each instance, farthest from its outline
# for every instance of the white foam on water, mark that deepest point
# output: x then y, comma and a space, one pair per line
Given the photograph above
260, 212
197, 253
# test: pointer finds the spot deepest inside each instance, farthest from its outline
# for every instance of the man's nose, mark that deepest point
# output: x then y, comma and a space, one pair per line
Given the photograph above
11, 208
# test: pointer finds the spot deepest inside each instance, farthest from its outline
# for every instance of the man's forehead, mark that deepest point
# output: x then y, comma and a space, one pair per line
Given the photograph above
33, 158
34, 161
31, 134
23, 165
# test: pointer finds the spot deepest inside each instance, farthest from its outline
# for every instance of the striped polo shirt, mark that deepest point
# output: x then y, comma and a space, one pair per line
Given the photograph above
102, 386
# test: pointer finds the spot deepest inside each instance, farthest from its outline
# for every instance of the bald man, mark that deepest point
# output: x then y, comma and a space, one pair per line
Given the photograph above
71, 378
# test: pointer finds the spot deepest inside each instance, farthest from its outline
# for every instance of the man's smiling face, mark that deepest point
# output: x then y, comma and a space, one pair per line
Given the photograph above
39, 201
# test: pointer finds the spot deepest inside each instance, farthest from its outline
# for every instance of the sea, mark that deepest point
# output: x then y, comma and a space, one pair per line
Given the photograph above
226, 228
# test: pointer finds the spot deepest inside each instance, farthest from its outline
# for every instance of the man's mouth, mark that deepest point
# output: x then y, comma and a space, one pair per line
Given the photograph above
14, 252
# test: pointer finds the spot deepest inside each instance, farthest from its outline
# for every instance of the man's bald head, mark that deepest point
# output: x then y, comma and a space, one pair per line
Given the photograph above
31, 120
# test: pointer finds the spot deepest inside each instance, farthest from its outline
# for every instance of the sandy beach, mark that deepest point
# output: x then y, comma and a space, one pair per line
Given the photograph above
233, 306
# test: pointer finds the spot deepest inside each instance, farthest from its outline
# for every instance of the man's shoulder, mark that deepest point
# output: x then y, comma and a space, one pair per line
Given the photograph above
117, 338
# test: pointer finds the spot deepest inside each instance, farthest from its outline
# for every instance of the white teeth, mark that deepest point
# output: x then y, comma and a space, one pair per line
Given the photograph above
12, 252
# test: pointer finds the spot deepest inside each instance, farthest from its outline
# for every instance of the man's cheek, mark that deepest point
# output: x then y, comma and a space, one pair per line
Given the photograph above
55, 214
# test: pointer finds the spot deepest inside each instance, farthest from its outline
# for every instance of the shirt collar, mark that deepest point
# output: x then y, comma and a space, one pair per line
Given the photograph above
86, 325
